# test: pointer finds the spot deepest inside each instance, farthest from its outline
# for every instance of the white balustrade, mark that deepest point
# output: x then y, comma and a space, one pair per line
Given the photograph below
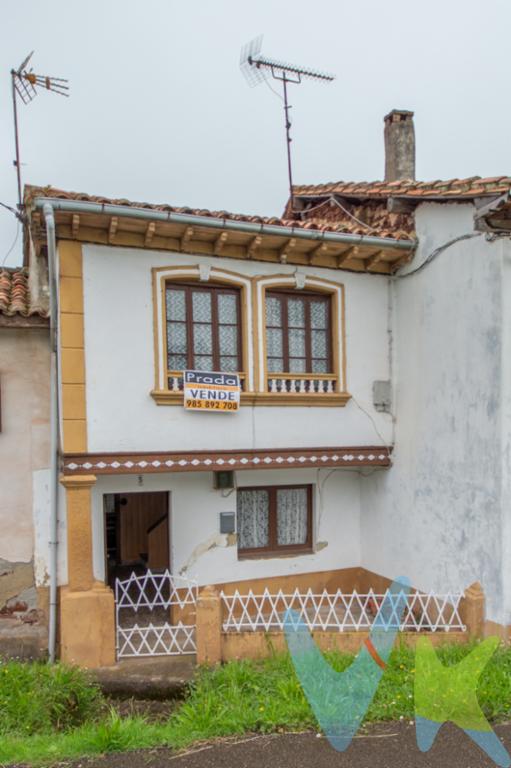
302, 386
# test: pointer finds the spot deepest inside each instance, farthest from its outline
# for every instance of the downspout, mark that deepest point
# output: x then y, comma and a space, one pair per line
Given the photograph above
54, 430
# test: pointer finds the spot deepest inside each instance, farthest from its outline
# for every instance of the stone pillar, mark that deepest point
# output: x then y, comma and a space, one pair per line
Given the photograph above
473, 610
209, 627
87, 608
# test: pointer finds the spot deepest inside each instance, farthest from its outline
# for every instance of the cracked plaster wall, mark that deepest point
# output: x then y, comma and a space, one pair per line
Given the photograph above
439, 515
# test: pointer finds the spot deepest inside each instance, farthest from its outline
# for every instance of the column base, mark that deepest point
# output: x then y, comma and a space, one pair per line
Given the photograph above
87, 627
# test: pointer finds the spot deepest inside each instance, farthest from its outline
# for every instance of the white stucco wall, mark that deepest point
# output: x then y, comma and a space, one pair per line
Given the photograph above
199, 551
437, 515
119, 345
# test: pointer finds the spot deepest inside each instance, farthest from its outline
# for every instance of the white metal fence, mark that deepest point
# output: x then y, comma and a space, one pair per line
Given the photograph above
155, 615
339, 611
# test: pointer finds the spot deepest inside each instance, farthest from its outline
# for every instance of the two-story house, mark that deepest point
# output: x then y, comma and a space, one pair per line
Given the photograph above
368, 328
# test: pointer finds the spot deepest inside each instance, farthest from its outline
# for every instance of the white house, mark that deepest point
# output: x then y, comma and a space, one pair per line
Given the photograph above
370, 330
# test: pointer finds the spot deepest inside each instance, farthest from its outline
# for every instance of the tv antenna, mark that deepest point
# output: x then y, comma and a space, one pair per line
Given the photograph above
257, 68
24, 85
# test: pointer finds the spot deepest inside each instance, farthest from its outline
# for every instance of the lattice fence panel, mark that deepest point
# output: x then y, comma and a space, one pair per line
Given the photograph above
345, 612
155, 615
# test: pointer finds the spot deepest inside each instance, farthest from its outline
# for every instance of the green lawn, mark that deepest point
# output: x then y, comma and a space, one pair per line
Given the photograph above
53, 713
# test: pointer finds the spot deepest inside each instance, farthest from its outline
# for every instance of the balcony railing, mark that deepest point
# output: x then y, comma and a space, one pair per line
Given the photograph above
301, 383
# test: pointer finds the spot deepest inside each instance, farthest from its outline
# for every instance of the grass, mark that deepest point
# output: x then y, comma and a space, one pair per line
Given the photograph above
237, 698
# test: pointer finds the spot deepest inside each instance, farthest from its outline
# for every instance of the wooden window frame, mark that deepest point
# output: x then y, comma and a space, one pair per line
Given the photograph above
214, 289
284, 295
273, 548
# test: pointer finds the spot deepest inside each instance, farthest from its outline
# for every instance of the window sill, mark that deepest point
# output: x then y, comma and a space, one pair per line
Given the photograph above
331, 399
274, 554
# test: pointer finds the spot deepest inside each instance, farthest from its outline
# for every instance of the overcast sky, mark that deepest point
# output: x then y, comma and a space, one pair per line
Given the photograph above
160, 112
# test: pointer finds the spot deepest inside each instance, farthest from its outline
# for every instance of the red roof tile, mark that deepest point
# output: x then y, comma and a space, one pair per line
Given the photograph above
346, 224
15, 294
475, 186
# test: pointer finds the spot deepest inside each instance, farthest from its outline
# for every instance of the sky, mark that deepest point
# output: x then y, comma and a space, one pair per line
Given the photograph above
159, 110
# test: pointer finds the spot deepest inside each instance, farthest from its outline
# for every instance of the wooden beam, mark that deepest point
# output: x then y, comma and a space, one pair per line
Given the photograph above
349, 253
253, 246
149, 233
112, 229
374, 259
185, 240
286, 250
75, 224
219, 243
319, 250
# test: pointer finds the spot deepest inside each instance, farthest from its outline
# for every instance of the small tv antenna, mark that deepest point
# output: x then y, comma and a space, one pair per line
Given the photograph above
257, 68
24, 85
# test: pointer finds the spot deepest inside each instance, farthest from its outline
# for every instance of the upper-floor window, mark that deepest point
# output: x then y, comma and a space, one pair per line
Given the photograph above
298, 332
203, 327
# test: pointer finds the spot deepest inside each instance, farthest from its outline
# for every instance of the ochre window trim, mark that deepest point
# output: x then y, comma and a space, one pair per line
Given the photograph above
335, 393
201, 274
273, 549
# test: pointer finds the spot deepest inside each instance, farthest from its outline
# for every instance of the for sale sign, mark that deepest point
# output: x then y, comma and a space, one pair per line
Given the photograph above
217, 392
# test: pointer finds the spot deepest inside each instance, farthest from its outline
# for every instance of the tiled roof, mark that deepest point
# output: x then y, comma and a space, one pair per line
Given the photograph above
348, 224
475, 186
15, 295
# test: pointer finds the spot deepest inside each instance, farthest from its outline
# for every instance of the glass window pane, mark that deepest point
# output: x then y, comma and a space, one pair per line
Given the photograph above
253, 513
297, 365
202, 339
274, 342
203, 363
176, 305
296, 342
318, 314
228, 363
291, 516
177, 363
273, 311
296, 313
318, 344
227, 308
201, 306
319, 366
275, 365
228, 339
176, 337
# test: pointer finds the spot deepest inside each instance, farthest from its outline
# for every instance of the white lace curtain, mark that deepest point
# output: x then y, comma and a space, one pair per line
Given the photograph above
291, 516
254, 517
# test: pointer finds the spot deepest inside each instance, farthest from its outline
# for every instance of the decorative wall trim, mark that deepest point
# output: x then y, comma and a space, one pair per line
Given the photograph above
203, 461
72, 347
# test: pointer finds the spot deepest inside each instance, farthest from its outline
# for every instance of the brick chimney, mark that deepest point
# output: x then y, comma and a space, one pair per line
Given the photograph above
399, 145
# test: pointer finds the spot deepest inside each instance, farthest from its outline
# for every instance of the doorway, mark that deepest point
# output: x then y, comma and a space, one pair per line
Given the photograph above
136, 534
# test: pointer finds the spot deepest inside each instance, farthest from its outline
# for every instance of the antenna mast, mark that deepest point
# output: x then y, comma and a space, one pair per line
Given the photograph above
24, 84
257, 68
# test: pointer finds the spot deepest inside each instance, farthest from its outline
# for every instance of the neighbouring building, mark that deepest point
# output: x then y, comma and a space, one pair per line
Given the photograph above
24, 461
370, 327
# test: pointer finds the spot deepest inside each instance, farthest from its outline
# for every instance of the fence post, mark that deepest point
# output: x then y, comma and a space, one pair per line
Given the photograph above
473, 610
209, 627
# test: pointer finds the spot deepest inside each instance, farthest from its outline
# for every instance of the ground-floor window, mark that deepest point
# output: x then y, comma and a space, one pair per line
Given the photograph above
274, 520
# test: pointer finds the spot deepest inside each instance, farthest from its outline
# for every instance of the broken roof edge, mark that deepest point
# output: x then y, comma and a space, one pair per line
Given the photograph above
38, 197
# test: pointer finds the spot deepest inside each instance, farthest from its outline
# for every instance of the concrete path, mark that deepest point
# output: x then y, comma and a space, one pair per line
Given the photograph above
157, 677
388, 746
